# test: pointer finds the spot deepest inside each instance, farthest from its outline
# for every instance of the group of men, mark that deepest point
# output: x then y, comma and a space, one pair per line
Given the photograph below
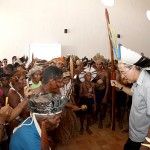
134, 70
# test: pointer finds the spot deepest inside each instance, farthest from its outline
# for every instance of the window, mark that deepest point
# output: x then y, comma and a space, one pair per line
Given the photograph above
44, 51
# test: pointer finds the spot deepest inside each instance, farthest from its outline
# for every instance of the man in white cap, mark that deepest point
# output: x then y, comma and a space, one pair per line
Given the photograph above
131, 65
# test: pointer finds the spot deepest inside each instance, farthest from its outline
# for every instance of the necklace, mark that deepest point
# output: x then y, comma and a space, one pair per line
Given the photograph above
89, 87
20, 95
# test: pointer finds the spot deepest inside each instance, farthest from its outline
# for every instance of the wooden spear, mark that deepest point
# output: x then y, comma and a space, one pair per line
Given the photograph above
113, 76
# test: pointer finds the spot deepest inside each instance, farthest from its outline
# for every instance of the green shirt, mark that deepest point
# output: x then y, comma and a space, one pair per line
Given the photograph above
34, 86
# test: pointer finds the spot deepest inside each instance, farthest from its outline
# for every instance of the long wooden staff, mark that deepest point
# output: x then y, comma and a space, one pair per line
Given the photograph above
71, 67
112, 69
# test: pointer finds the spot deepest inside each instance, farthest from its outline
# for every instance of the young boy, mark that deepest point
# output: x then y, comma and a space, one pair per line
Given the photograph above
87, 97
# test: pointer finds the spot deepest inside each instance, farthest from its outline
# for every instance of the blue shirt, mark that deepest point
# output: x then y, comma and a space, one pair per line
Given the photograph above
26, 138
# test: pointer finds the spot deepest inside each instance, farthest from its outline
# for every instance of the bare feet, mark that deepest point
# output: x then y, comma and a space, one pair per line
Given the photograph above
100, 125
89, 131
81, 131
108, 125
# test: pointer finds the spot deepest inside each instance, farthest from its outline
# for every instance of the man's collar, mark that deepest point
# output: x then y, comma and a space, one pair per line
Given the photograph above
141, 76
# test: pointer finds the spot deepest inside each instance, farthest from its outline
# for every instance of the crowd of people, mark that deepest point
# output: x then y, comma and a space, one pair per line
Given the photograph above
47, 102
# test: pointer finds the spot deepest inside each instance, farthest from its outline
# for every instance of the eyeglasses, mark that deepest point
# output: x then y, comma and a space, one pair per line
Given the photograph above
124, 72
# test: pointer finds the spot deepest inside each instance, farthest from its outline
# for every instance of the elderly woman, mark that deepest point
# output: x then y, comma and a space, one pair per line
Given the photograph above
16, 95
7, 114
35, 75
16, 92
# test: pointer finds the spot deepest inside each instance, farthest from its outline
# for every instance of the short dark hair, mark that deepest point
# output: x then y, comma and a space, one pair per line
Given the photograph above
4, 60
51, 72
10, 67
14, 57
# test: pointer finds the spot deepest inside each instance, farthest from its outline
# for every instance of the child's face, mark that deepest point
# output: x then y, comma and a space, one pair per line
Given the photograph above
37, 76
66, 80
88, 76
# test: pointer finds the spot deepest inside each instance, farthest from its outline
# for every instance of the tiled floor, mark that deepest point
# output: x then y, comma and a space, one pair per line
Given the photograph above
101, 139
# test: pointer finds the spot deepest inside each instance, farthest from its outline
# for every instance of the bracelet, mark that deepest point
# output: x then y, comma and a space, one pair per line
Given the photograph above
121, 88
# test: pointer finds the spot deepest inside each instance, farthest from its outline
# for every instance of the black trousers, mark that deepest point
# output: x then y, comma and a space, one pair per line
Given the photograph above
130, 145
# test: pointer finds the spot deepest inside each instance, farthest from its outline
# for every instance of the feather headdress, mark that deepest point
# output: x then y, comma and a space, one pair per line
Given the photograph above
99, 57
89, 69
22, 60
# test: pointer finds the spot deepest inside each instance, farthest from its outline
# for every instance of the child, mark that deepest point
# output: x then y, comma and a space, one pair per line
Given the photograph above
87, 97
35, 75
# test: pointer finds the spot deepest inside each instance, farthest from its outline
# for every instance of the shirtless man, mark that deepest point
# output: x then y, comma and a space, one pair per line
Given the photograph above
101, 90
79, 68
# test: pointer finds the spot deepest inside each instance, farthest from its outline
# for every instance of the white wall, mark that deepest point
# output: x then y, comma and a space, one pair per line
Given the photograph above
23, 22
